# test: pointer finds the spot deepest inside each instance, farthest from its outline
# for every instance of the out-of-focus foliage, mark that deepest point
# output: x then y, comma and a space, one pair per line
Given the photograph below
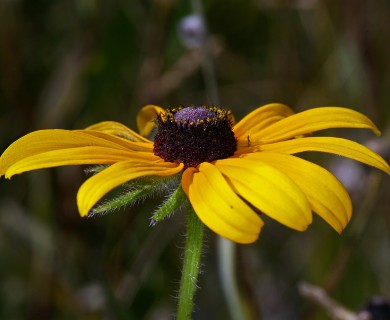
68, 64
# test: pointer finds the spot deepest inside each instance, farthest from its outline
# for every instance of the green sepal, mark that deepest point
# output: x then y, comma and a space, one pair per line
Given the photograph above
125, 199
174, 201
139, 189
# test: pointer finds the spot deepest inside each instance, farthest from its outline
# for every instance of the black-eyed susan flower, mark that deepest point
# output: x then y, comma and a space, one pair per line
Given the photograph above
230, 173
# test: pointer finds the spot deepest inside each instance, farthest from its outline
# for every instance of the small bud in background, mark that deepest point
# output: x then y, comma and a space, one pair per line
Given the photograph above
377, 308
192, 31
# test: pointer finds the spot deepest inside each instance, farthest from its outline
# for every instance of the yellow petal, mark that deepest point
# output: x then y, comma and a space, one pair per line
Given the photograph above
269, 190
76, 156
118, 142
47, 140
261, 118
326, 195
339, 146
313, 120
42, 141
218, 207
100, 184
145, 119
117, 129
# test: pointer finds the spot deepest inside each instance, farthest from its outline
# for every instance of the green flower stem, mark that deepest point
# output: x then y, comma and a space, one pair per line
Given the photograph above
191, 265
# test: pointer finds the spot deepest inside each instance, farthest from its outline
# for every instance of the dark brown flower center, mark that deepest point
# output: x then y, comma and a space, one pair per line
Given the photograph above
194, 135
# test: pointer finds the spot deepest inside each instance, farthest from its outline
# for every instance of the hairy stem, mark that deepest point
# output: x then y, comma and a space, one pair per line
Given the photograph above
191, 265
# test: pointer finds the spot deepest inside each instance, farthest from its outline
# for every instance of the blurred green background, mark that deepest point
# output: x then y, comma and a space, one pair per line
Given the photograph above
71, 63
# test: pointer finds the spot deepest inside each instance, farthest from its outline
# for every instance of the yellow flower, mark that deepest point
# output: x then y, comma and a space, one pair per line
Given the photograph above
231, 173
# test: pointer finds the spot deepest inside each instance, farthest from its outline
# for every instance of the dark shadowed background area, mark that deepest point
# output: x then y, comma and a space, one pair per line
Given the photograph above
68, 64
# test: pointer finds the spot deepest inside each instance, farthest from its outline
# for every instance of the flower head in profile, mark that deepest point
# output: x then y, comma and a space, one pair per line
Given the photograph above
231, 173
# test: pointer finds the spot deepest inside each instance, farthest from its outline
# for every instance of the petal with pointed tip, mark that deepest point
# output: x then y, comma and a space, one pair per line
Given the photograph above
339, 146
43, 141
76, 156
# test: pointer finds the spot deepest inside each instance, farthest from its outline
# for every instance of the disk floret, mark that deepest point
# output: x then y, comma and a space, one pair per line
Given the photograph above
193, 135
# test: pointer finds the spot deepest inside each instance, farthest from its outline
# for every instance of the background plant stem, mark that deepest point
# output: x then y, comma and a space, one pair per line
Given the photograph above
227, 273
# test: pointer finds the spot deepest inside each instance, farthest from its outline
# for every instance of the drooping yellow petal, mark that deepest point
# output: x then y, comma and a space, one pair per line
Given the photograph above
261, 118
313, 120
100, 184
326, 195
269, 190
339, 146
42, 141
145, 119
117, 129
218, 207
76, 156
48, 140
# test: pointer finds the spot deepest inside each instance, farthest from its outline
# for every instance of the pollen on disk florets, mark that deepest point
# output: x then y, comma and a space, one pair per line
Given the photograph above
194, 135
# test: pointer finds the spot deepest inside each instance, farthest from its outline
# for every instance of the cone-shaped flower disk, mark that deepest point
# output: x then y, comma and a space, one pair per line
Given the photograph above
231, 173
